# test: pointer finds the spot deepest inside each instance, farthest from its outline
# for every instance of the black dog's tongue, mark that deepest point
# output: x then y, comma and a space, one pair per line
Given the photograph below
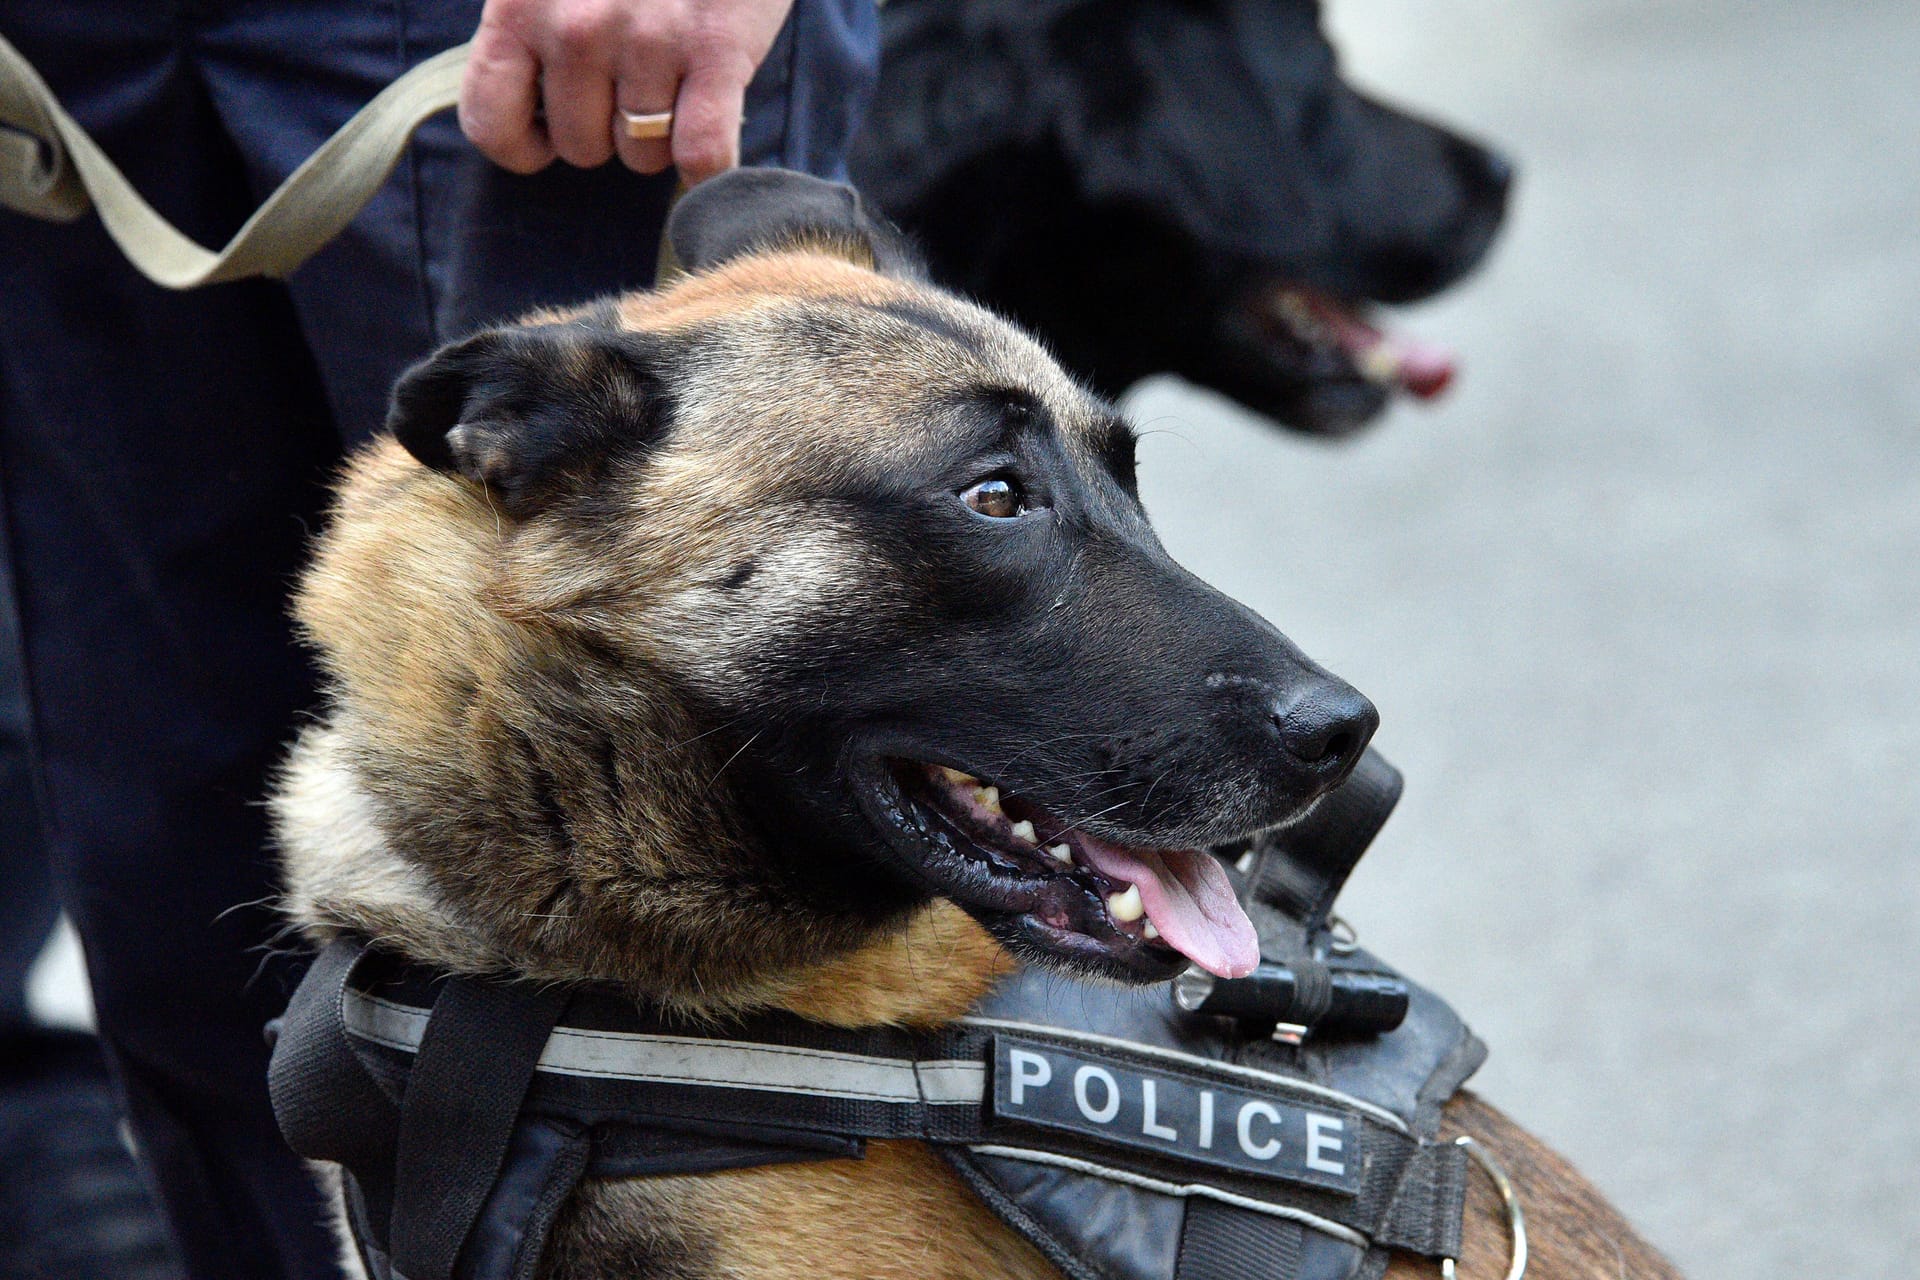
1422, 369
1381, 356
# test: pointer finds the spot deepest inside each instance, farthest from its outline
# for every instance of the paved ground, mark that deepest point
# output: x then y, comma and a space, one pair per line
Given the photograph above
1640, 605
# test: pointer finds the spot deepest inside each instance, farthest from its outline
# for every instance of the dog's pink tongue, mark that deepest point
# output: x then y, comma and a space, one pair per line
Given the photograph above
1423, 369
1189, 899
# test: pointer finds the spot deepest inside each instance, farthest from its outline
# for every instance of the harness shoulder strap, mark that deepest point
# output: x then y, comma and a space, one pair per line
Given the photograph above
429, 1159
463, 1098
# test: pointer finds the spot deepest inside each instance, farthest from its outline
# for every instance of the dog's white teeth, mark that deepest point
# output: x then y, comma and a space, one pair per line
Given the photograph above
1148, 932
1060, 853
1126, 907
988, 798
1380, 364
1024, 830
958, 778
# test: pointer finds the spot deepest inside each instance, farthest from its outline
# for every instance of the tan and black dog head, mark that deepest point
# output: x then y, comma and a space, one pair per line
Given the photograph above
703, 633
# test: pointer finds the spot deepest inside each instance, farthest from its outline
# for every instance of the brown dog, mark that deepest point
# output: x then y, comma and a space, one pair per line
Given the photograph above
669, 642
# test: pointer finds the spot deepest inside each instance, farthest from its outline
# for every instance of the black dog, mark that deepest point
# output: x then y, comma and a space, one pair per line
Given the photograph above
1181, 186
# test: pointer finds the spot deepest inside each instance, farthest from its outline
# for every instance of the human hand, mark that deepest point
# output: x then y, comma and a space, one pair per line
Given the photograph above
582, 61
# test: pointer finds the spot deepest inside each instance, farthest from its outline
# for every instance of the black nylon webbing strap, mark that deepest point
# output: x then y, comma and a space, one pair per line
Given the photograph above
425, 1088
1220, 1242
463, 1096
328, 1106
783, 1078
1427, 1209
1305, 865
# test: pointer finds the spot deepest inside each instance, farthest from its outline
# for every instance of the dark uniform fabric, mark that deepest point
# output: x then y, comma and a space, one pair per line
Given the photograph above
163, 458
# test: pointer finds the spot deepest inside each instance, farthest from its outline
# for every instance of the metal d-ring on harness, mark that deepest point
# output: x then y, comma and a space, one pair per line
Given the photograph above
1128, 1135
1509, 1200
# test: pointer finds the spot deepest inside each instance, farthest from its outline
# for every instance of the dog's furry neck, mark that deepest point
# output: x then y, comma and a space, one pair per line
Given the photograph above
344, 875
489, 794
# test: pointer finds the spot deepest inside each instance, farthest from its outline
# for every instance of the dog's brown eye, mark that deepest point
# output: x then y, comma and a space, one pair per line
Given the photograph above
999, 497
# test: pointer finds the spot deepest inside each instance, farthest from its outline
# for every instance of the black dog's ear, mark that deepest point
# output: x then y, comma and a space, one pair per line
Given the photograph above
529, 412
759, 210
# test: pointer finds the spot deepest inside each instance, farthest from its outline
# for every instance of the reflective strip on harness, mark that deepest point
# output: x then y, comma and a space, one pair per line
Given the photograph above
719, 1064
1313, 1126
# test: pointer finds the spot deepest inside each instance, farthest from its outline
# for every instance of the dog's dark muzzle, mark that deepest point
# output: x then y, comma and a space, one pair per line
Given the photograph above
1228, 728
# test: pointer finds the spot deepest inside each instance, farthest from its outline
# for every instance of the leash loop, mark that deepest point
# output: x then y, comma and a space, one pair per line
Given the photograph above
50, 168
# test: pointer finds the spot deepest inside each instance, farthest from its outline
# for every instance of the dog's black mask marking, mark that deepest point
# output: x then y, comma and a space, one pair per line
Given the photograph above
1059, 655
1135, 178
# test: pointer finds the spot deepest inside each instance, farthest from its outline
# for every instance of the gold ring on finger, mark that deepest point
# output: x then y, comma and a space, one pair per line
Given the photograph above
648, 126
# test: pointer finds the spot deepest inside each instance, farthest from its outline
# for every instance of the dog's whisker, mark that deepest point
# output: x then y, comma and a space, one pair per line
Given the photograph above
1080, 826
1164, 774
735, 756
707, 733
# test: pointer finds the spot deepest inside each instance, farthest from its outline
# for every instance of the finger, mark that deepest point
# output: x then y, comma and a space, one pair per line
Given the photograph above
706, 120
578, 96
498, 96
647, 87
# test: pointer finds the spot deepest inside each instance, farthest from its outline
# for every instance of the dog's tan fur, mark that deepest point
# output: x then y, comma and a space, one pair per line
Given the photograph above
506, 781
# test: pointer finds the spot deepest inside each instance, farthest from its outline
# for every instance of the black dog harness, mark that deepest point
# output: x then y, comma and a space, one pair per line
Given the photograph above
1127, 1136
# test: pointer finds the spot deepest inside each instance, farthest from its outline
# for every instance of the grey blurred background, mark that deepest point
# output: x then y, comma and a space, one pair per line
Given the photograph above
1640, 604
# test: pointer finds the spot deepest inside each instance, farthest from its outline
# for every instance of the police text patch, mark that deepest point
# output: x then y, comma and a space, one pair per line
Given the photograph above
1174, 1114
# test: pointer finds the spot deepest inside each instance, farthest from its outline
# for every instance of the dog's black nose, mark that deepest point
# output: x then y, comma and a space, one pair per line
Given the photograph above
1495, 176
1325, 724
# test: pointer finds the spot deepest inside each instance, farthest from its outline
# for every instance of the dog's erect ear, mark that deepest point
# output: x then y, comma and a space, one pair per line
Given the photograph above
760, 210
529, 412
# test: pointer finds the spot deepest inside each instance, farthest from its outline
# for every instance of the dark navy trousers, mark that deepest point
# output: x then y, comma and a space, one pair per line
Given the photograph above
162, 465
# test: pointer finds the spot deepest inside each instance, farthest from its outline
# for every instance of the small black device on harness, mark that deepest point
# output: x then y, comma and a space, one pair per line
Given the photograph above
1308, 996
1129, 1133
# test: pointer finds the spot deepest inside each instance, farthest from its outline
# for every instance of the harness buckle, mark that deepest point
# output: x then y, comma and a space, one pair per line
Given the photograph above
1510, 1199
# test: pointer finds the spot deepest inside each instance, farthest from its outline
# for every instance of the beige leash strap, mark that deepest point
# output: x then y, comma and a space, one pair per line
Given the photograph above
50, 168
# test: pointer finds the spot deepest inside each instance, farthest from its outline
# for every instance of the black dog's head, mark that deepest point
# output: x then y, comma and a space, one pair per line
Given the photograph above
814, 593
1181, 186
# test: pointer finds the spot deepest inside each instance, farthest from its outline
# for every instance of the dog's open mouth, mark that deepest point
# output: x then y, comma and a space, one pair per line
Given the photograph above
1336, 334
1140, 913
